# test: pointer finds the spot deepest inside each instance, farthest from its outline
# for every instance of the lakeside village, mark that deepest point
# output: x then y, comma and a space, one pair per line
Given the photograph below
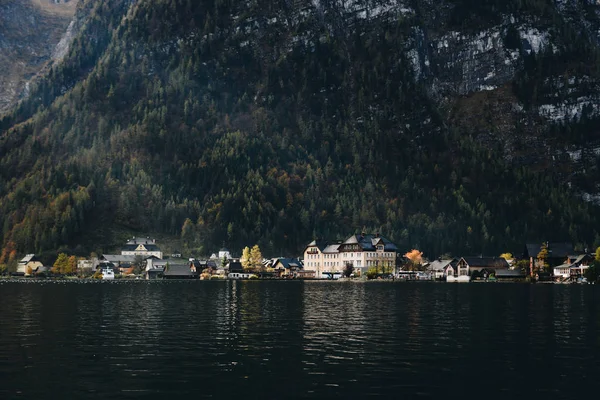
363, 256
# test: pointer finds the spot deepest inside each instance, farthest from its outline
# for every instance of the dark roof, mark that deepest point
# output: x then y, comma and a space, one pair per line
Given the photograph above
137, 240
236, 266
178, 270
486, 262
583, 258
509, 273
289, 263
369, 242
105, 264
29, 258
555, 250
320, 244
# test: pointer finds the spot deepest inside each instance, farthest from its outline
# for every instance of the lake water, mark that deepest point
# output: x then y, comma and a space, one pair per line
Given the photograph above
275, 340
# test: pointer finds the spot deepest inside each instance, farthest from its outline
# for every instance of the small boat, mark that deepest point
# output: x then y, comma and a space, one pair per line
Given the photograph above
108, 274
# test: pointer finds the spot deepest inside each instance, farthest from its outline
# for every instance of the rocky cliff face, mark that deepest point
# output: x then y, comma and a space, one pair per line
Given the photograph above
29, 33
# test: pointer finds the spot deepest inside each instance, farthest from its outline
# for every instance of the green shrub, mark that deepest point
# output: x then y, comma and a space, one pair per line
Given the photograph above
372, 273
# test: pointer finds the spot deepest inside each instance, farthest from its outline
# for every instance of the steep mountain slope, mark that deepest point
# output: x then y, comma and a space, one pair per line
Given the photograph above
448, 125
30, 34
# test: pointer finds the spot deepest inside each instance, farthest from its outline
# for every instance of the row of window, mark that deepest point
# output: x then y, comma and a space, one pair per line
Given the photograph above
312, 256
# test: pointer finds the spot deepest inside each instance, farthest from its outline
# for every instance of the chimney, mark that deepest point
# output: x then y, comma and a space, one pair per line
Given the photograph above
377, 234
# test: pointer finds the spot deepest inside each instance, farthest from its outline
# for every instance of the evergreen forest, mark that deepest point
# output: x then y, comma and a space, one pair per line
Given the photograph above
218, 121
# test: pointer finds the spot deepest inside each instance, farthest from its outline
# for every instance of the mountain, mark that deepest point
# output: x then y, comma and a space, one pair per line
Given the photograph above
456, 126
33, 33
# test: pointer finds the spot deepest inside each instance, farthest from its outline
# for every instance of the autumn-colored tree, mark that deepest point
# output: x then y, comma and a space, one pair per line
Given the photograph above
543, 256
597, 254
29, 271
9, 253
71, 267
415, 258
506, 256
245, 260
61, 265
256, 258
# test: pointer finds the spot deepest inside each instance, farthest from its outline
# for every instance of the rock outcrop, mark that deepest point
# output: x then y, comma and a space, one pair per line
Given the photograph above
29, 33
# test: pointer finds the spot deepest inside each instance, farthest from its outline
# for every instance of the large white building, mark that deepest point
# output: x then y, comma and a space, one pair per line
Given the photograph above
141, 247
361, 251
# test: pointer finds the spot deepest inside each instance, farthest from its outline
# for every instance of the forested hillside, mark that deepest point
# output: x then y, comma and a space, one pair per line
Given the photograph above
447, 126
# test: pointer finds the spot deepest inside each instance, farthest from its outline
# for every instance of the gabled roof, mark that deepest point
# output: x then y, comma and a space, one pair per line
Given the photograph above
582, 257
332, 248
320, 244
118, 258
562, 266
289, 263
369, 242
133, 247
354, 239
366, 242
440, 265
28, 258
235, 266
486, 262
178, 270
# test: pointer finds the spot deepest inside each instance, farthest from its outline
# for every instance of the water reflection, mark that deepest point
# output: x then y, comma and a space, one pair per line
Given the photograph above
295, 339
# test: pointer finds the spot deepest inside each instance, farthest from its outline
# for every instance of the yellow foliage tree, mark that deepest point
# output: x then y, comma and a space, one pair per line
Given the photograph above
256, 258
506, 256
245, 260
71, 266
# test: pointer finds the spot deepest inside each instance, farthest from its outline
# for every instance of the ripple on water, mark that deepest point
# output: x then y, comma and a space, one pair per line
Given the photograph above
295, 339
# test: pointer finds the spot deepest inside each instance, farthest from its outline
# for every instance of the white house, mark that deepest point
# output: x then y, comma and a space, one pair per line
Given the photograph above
438, 268
141, 247
223, 254
360, 251
573, 267
29, 261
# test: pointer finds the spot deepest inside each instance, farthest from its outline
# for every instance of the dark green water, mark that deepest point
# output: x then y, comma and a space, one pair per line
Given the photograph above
280, 340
